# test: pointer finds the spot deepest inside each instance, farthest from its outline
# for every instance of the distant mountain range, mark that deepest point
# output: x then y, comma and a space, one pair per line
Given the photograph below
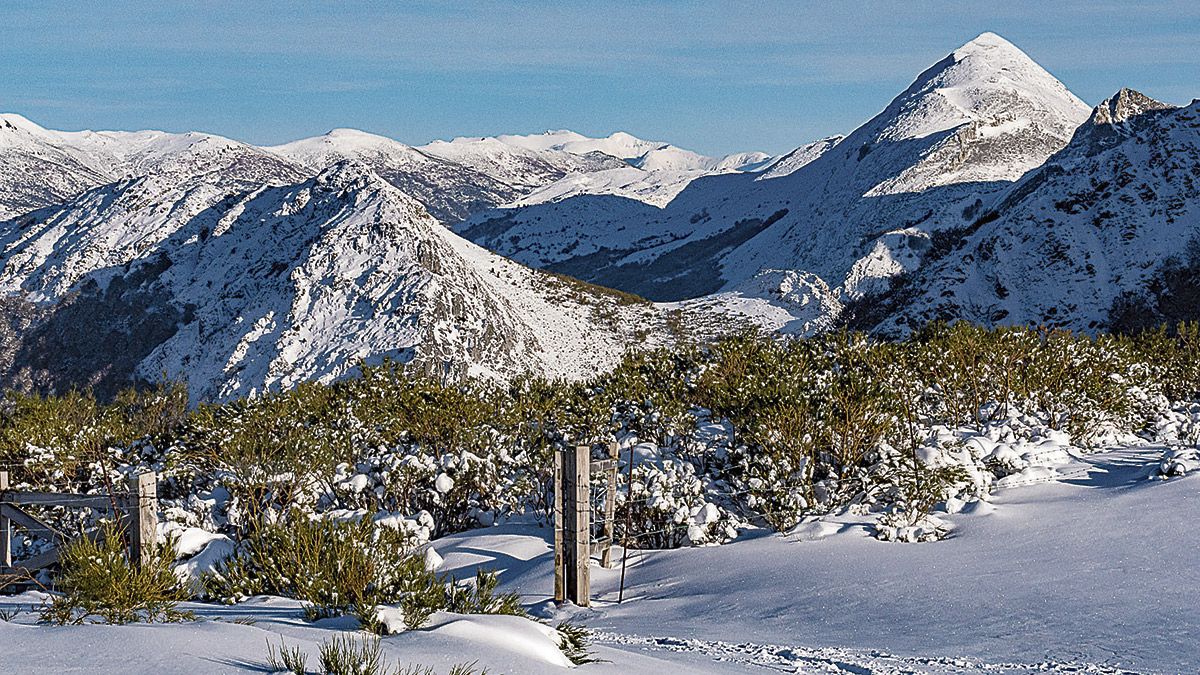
986, 191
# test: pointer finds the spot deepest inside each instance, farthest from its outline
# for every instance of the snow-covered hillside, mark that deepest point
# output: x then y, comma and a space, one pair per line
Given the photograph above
521, 167
244, 292
798, 158
1099, 219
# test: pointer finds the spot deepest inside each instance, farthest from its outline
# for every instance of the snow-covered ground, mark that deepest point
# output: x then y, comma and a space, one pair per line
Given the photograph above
1092, 570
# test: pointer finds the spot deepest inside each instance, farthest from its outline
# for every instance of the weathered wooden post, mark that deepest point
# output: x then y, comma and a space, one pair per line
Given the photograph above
143, 530
559, 581
5, 528
577, 518
610, 506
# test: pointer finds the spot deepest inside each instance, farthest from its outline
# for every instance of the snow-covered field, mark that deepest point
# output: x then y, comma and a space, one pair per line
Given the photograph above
1092, 570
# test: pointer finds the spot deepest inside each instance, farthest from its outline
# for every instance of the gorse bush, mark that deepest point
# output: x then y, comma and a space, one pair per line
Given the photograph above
99, 584
574, 642
334, 566
75, 442
350, 568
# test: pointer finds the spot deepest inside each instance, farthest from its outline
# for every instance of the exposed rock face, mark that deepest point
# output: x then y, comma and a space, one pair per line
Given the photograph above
1126, 104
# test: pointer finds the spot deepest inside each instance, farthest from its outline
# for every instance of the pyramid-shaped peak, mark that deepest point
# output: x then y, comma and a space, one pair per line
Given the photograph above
988, 41
985, 80
988, 53
1125, 104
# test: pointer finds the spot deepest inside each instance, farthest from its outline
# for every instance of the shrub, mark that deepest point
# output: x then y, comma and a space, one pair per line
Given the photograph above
346, 655
99, 584
333, 566
286, 659
574, 641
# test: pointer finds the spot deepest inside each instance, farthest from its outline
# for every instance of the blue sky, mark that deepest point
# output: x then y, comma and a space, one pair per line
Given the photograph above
713, 77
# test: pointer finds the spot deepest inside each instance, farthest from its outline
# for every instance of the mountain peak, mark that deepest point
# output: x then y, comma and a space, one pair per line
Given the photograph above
987, 41
15, 121
986, 80
1123, 105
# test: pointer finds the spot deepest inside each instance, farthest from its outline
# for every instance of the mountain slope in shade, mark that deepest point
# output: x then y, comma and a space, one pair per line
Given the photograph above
1098, 220
448, 190
594, 218
857, 215
291, 283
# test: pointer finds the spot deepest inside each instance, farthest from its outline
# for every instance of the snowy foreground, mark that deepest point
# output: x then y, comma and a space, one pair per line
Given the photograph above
1093, 571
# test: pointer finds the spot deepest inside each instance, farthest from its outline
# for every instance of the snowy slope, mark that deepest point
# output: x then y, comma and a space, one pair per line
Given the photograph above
1004, 595
261, 290
794, 160
656, 188
448, 190
855, 216
1098, 219
775, 301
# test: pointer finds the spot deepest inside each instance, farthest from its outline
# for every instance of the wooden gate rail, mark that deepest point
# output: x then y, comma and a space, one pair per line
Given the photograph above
137, 510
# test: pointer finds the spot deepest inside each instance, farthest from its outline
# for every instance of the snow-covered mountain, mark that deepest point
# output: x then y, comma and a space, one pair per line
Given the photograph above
521, 167
985, 191
454, 180
648, 155
40, 167
37, 167
857, 214
619, 144
242, 293
1098, 221
449, 190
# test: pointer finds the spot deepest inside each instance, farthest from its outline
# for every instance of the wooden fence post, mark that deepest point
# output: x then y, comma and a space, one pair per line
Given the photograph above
143, 530
610, 506
5, 529
559, 581
578, 515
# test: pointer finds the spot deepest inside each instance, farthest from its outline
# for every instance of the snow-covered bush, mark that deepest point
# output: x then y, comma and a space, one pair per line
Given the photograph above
1179, 462
910, 486
667, 505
